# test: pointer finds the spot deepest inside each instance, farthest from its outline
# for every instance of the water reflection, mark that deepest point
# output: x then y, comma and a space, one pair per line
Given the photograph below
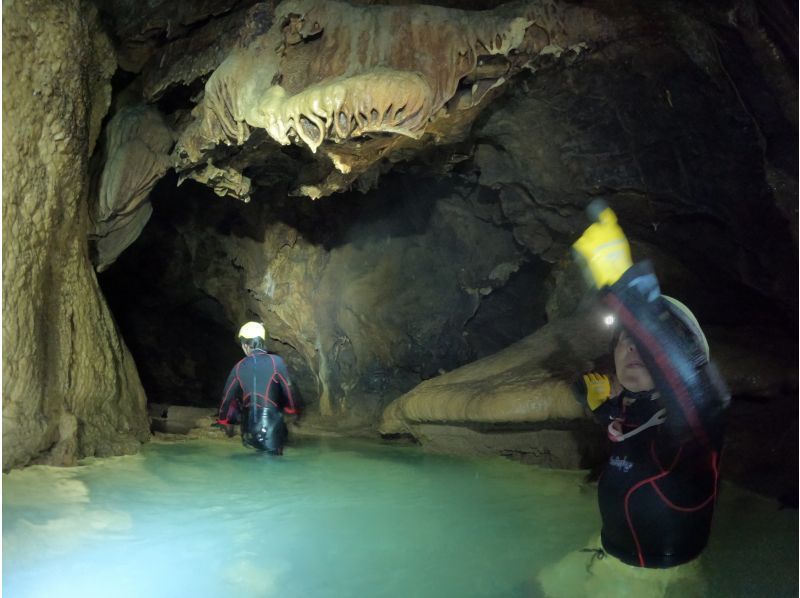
336, 518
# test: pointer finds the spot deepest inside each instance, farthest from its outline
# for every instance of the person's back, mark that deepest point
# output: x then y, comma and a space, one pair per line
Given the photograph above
258, 393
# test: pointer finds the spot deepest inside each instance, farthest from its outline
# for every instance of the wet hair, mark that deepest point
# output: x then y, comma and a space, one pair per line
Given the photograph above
252, 343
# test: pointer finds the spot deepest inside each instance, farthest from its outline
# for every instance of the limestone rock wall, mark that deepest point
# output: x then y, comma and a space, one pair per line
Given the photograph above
679, 114
365, 297
70, 386
136, 157
517, 402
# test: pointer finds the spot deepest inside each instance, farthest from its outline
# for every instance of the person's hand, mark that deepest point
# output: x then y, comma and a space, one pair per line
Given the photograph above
603, 249
598, 389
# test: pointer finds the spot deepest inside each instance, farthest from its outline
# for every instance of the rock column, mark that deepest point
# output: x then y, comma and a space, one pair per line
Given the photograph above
70, 387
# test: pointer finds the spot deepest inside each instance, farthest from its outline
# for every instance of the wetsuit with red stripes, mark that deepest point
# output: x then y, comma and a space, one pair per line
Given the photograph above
658, 490
257, 394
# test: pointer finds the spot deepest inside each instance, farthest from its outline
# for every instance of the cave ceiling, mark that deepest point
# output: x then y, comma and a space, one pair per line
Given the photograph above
310, 97
549, 103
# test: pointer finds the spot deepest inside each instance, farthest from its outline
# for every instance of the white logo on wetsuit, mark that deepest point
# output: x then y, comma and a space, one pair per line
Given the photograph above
621, 464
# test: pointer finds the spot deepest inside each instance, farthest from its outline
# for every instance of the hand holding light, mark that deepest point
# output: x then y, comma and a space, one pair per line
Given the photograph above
603, 249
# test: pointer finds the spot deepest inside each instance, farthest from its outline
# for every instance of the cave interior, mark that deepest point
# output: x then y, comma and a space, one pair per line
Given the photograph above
393, 190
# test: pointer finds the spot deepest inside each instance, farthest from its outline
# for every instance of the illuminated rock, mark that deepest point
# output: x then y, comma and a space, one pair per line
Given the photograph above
358, 84
70, 387
519, 384
137, 156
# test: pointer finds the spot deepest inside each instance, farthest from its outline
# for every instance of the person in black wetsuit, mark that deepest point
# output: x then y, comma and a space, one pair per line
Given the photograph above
663, 411
257, 394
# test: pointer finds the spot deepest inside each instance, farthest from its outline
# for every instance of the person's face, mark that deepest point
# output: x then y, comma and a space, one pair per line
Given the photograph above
631, 372
247, 350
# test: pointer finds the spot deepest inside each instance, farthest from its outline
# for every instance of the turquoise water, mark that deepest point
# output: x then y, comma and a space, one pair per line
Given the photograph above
333, 518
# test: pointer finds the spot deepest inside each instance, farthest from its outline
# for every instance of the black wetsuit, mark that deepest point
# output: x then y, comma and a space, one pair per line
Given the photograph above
658, 490
656, 494
262, 424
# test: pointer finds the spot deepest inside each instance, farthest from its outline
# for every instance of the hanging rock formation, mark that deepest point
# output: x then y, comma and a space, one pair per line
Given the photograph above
358, 87
357, 84
137, 148
70, 387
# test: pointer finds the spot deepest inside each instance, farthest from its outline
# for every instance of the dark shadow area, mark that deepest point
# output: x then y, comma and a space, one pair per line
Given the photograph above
761, 445
181, 338
499, 321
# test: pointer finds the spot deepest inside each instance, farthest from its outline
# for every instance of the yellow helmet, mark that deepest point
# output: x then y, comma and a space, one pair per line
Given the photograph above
252, 330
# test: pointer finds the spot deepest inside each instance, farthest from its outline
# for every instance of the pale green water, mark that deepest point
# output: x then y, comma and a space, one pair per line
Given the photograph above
333, 518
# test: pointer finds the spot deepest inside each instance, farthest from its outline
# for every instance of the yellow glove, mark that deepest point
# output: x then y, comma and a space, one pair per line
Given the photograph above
603, 247
598, 389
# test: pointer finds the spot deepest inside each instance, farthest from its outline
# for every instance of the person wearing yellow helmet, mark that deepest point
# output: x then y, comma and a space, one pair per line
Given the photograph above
258, 393
662, 409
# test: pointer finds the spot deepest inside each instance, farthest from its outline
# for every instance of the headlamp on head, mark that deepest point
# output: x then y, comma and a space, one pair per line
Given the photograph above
682, 313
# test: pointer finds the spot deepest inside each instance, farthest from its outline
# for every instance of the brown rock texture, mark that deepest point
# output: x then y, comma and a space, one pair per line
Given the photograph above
141, 29
357, 84
364, 298
137, 148
526, 383
458, 148
70, 387
516, 402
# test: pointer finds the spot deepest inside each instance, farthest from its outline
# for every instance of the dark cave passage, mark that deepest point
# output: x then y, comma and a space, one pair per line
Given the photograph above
179, 292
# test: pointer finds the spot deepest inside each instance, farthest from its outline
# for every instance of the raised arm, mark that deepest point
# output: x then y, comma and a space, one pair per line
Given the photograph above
691, 387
